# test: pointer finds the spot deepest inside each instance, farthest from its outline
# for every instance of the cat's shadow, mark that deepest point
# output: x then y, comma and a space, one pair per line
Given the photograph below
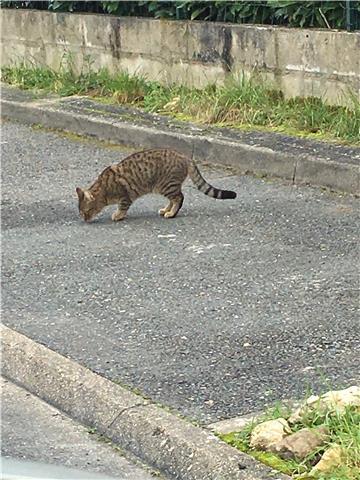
154, 217
49, 212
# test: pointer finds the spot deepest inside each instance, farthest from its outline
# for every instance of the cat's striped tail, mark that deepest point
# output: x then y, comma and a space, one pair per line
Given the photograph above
202, 185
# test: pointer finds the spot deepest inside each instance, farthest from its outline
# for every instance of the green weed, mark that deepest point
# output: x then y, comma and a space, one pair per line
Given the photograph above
239, 103
344, 430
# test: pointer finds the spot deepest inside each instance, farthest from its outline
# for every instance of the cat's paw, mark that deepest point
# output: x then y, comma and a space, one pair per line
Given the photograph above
169, 215
117, 216
162, 211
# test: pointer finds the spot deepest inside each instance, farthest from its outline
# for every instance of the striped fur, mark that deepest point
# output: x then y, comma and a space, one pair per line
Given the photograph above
160, 171
205, 187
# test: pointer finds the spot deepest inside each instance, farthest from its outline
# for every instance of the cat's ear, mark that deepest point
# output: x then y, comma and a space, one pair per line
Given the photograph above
80, 193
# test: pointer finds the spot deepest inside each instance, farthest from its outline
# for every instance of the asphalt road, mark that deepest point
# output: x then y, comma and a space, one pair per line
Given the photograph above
217, 313
32, 430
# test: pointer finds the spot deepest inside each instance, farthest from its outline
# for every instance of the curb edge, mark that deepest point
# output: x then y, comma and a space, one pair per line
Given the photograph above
161, 439
245, 158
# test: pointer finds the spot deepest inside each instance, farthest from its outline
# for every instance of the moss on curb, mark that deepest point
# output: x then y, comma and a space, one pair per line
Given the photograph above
344, 428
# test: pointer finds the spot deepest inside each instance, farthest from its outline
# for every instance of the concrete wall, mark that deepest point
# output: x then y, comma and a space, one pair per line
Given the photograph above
323, 63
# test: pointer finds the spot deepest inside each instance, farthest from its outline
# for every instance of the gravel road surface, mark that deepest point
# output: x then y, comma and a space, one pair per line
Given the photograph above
217, 313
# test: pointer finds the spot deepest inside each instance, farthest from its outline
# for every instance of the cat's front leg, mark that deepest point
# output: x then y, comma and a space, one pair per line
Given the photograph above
123, 207
118, 215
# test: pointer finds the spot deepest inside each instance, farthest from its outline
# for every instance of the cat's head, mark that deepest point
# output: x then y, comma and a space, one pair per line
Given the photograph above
89, 206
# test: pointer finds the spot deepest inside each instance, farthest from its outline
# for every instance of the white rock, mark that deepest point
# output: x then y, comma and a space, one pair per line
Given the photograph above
269, 433
342, 398
332, 458
333, 400
309, 404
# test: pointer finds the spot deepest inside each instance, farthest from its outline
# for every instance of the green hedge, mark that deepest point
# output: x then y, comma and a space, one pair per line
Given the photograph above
291, 13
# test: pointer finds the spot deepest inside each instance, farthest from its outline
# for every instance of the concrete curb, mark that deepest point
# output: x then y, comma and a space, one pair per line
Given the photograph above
162, 439
292, 166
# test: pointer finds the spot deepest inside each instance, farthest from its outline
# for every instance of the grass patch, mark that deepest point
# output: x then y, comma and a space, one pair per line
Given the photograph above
344, 430
239, 103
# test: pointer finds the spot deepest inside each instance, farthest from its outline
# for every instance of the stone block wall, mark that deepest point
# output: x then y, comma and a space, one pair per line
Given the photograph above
300, 62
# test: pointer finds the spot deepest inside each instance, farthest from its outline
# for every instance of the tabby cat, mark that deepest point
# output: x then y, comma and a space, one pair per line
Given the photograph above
160, 171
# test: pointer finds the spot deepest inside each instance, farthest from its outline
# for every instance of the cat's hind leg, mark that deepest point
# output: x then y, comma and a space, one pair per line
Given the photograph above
166, 209
174, 206
171, 189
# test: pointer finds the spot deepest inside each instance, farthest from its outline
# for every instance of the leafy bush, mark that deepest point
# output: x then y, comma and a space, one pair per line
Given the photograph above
292, 13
